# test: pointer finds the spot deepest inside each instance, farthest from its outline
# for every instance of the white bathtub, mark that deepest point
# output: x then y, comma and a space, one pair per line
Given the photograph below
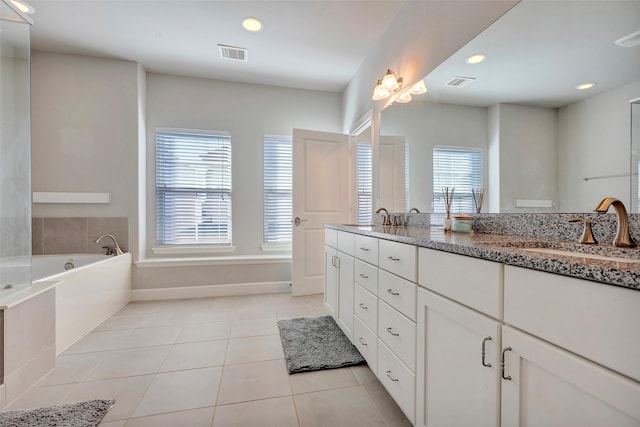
87, 294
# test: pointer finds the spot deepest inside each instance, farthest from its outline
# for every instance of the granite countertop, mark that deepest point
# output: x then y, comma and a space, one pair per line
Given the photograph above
512, 250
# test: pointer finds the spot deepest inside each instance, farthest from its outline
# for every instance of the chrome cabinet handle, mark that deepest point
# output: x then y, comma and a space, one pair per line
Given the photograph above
392, 333
390, 377
390, 258
502, 364
484, 342
362, 341
392, 292
364, 276
364, 249
337, 262
363, 306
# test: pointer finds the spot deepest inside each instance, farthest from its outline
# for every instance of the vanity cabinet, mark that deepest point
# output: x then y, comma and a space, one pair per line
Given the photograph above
339, 283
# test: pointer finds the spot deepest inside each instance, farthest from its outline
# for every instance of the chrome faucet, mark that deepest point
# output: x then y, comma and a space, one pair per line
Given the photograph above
116, 251
414, 210
623, 238
385, 219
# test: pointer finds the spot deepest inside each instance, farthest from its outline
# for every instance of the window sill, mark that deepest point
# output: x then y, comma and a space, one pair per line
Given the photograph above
271, 247
211, 261
186, 250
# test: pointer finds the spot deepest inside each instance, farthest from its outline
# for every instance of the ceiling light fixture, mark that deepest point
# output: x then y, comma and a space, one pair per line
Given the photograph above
380, 92
585, 86
476, 59
404, 98
630, 40
418, 88
387, 86
252, 24
23, 6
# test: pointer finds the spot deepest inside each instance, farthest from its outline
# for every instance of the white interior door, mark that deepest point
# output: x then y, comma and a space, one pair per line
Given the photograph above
320, 196
392, 173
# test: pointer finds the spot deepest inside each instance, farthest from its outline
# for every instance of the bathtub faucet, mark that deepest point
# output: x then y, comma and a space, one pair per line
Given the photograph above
116, 251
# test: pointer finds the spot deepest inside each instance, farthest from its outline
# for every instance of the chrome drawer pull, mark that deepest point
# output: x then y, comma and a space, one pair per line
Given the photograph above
363, 306
392, 333
364, 276
362, 341
364, 249
502, 363
484, 341
392, 292
390, 258
390, 377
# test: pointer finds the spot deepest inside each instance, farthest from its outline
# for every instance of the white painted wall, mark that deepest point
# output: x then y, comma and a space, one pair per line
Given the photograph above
493, 161
426, 125
85, 133
528, 156
594, 140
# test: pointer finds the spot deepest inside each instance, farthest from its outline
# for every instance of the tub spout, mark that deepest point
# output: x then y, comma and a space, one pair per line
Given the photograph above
116, 251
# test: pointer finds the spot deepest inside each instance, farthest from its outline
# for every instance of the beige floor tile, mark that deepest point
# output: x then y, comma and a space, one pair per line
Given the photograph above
211, 315
254, 327
114, 424
147, 337
179, 391
126, 391
41, 396
129, 362
194, 355
364, 374
252, 381
205, 332
254, 349
322, 380
340, 407
255, 312
71, 368
123, 321
295, 310
387, 407
165, 317
143, 307
278, 412
98, 341
193, 418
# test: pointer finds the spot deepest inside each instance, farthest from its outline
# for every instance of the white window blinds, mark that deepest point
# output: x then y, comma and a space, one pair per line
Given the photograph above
278, 189
365, 185
193, 188
460, 168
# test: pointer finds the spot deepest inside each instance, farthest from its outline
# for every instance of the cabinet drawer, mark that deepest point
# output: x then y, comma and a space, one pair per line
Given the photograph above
367, 249
331, 237
346, 242
398, 380
367, 344
367, 276
596, 321
365, 306
398, 293
473, 282
398, 333
399, 258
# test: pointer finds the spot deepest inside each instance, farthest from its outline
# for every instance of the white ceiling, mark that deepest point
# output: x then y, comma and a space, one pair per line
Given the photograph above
305, 44
536, 53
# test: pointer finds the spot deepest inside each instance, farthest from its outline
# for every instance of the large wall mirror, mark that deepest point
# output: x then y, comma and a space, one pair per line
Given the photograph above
546, 145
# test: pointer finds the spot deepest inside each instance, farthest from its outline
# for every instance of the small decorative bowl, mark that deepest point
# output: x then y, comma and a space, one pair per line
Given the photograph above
462, 224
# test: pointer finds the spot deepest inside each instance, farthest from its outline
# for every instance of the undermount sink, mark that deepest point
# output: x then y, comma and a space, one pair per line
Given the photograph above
550, 251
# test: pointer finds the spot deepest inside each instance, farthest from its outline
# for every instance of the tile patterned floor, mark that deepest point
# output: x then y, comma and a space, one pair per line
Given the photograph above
210, 362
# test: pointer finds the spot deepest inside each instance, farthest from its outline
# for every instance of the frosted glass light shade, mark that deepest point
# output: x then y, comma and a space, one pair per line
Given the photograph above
418, 88
380, 92
390, 82
404, 98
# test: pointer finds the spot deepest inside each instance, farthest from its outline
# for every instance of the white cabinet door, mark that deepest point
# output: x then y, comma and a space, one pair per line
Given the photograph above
345, 293
330, 281
547, 386
458, 365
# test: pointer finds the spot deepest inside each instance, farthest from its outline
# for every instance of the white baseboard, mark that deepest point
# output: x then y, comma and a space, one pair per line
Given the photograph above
188, 292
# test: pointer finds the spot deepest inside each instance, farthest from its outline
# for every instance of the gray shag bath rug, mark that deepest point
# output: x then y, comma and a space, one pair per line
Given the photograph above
82, 414
315, 343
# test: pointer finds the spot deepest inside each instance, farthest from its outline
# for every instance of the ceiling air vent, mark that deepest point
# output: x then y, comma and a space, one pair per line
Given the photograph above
233, 53
458, 81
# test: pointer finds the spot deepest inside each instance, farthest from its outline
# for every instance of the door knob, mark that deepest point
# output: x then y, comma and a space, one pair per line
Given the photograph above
297, 221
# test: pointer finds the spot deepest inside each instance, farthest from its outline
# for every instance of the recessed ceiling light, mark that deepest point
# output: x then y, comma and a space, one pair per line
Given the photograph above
23, 7
476, 59
252, 24
585, 86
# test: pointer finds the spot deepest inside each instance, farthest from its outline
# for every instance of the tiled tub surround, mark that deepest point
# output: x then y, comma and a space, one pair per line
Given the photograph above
76, 235
509, 250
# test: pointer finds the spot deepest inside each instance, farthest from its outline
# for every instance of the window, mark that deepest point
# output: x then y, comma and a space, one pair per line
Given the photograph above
460, 168
278, 189
193, 188
365, 188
